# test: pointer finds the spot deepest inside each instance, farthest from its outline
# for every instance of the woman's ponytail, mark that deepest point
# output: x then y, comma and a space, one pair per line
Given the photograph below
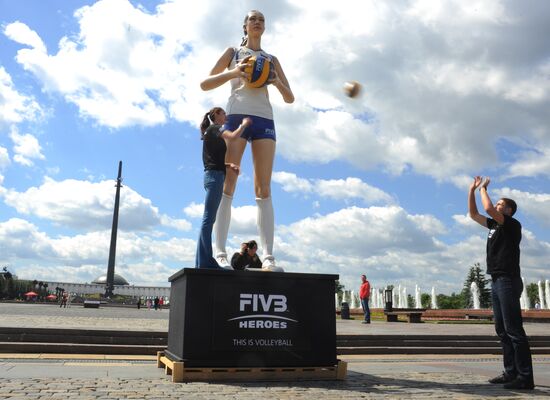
208, 119
205, 123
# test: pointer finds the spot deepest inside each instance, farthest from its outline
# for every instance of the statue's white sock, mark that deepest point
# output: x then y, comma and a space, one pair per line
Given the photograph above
266, 226
221, 226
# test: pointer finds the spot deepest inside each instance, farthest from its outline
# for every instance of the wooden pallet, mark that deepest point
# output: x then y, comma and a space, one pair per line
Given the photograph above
180, 373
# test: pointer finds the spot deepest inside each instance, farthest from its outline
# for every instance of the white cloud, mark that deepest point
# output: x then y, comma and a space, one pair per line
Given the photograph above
387, 243
179, 224
364, 232
4, 158
21, 240
21, 33
26, 148
194, 210
351, 188
464, 221
530, 163
243, 218
338, 189
86, 205
424, 66
462, 182
84, 257
292, 183
124, 67
534, 204
422, 73
392, 247
14, 106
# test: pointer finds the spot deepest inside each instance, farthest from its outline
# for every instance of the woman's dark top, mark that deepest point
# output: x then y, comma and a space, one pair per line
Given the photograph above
213, 149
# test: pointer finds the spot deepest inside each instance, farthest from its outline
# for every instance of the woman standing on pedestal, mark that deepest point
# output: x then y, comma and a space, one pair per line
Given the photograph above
247, 101
213, 156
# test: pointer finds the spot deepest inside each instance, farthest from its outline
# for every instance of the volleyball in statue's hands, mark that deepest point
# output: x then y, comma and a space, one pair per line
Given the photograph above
352, 89
259, 71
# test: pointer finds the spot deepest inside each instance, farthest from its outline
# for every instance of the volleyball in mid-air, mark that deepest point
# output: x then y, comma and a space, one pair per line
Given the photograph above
260, 70
352, 89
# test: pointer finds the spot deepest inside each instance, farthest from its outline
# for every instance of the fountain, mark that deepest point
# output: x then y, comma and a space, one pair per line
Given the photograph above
541, 297
524, 300
404, 303
475, 295
434, 299
417, 299
354, 300
336, 301
547, 292
399, 295
394, 298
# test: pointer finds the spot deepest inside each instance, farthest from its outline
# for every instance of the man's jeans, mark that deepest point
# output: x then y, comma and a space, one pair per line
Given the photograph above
506, 291
366, 309
213, 184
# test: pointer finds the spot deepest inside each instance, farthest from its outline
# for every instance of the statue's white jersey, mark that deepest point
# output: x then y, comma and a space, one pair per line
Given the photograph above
247, 100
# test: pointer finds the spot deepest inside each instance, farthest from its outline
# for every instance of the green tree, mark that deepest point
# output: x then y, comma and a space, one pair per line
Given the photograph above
453, 301
10, 289
410, 301
426, 300
339, 287
533, 294
476, 274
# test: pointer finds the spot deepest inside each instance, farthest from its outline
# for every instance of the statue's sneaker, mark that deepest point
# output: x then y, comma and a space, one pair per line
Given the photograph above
269, 265
222, 262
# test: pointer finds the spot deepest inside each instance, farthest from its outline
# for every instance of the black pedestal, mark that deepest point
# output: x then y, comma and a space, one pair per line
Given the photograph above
224, 318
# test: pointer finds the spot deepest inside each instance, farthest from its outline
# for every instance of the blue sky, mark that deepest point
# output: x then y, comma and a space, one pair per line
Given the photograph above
373, 185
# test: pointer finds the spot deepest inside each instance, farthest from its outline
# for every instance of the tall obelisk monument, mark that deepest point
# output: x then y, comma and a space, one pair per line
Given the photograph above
112, 249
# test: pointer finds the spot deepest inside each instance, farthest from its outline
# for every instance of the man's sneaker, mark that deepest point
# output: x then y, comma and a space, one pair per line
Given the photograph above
269, 265
503, 378
222, 261
519, 383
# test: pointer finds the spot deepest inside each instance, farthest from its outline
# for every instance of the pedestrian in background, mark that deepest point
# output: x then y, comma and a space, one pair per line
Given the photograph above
364, 295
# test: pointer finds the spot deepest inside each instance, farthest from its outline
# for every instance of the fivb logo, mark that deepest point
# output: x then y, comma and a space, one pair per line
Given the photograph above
255, 301
262, 306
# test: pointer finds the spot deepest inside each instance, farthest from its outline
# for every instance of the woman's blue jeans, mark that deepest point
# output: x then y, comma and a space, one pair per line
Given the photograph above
506, 291
213, 184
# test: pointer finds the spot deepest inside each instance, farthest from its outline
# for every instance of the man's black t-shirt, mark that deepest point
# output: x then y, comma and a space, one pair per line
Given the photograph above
240, 261
503, 247
213, 149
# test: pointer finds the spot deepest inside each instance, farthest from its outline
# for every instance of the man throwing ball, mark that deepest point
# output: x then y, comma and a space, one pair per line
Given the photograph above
503, 266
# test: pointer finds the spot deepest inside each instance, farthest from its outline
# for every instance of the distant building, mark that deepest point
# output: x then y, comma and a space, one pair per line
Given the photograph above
121, 286
117, 281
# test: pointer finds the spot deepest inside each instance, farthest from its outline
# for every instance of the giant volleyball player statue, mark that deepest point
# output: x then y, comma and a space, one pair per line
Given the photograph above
249, 98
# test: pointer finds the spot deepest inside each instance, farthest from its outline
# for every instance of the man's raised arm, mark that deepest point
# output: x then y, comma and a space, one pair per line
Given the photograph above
472, 206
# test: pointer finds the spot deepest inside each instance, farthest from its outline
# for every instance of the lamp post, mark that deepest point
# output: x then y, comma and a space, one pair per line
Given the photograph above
388, 300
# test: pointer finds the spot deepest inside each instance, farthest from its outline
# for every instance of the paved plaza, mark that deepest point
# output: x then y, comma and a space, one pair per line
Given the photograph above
43, 376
